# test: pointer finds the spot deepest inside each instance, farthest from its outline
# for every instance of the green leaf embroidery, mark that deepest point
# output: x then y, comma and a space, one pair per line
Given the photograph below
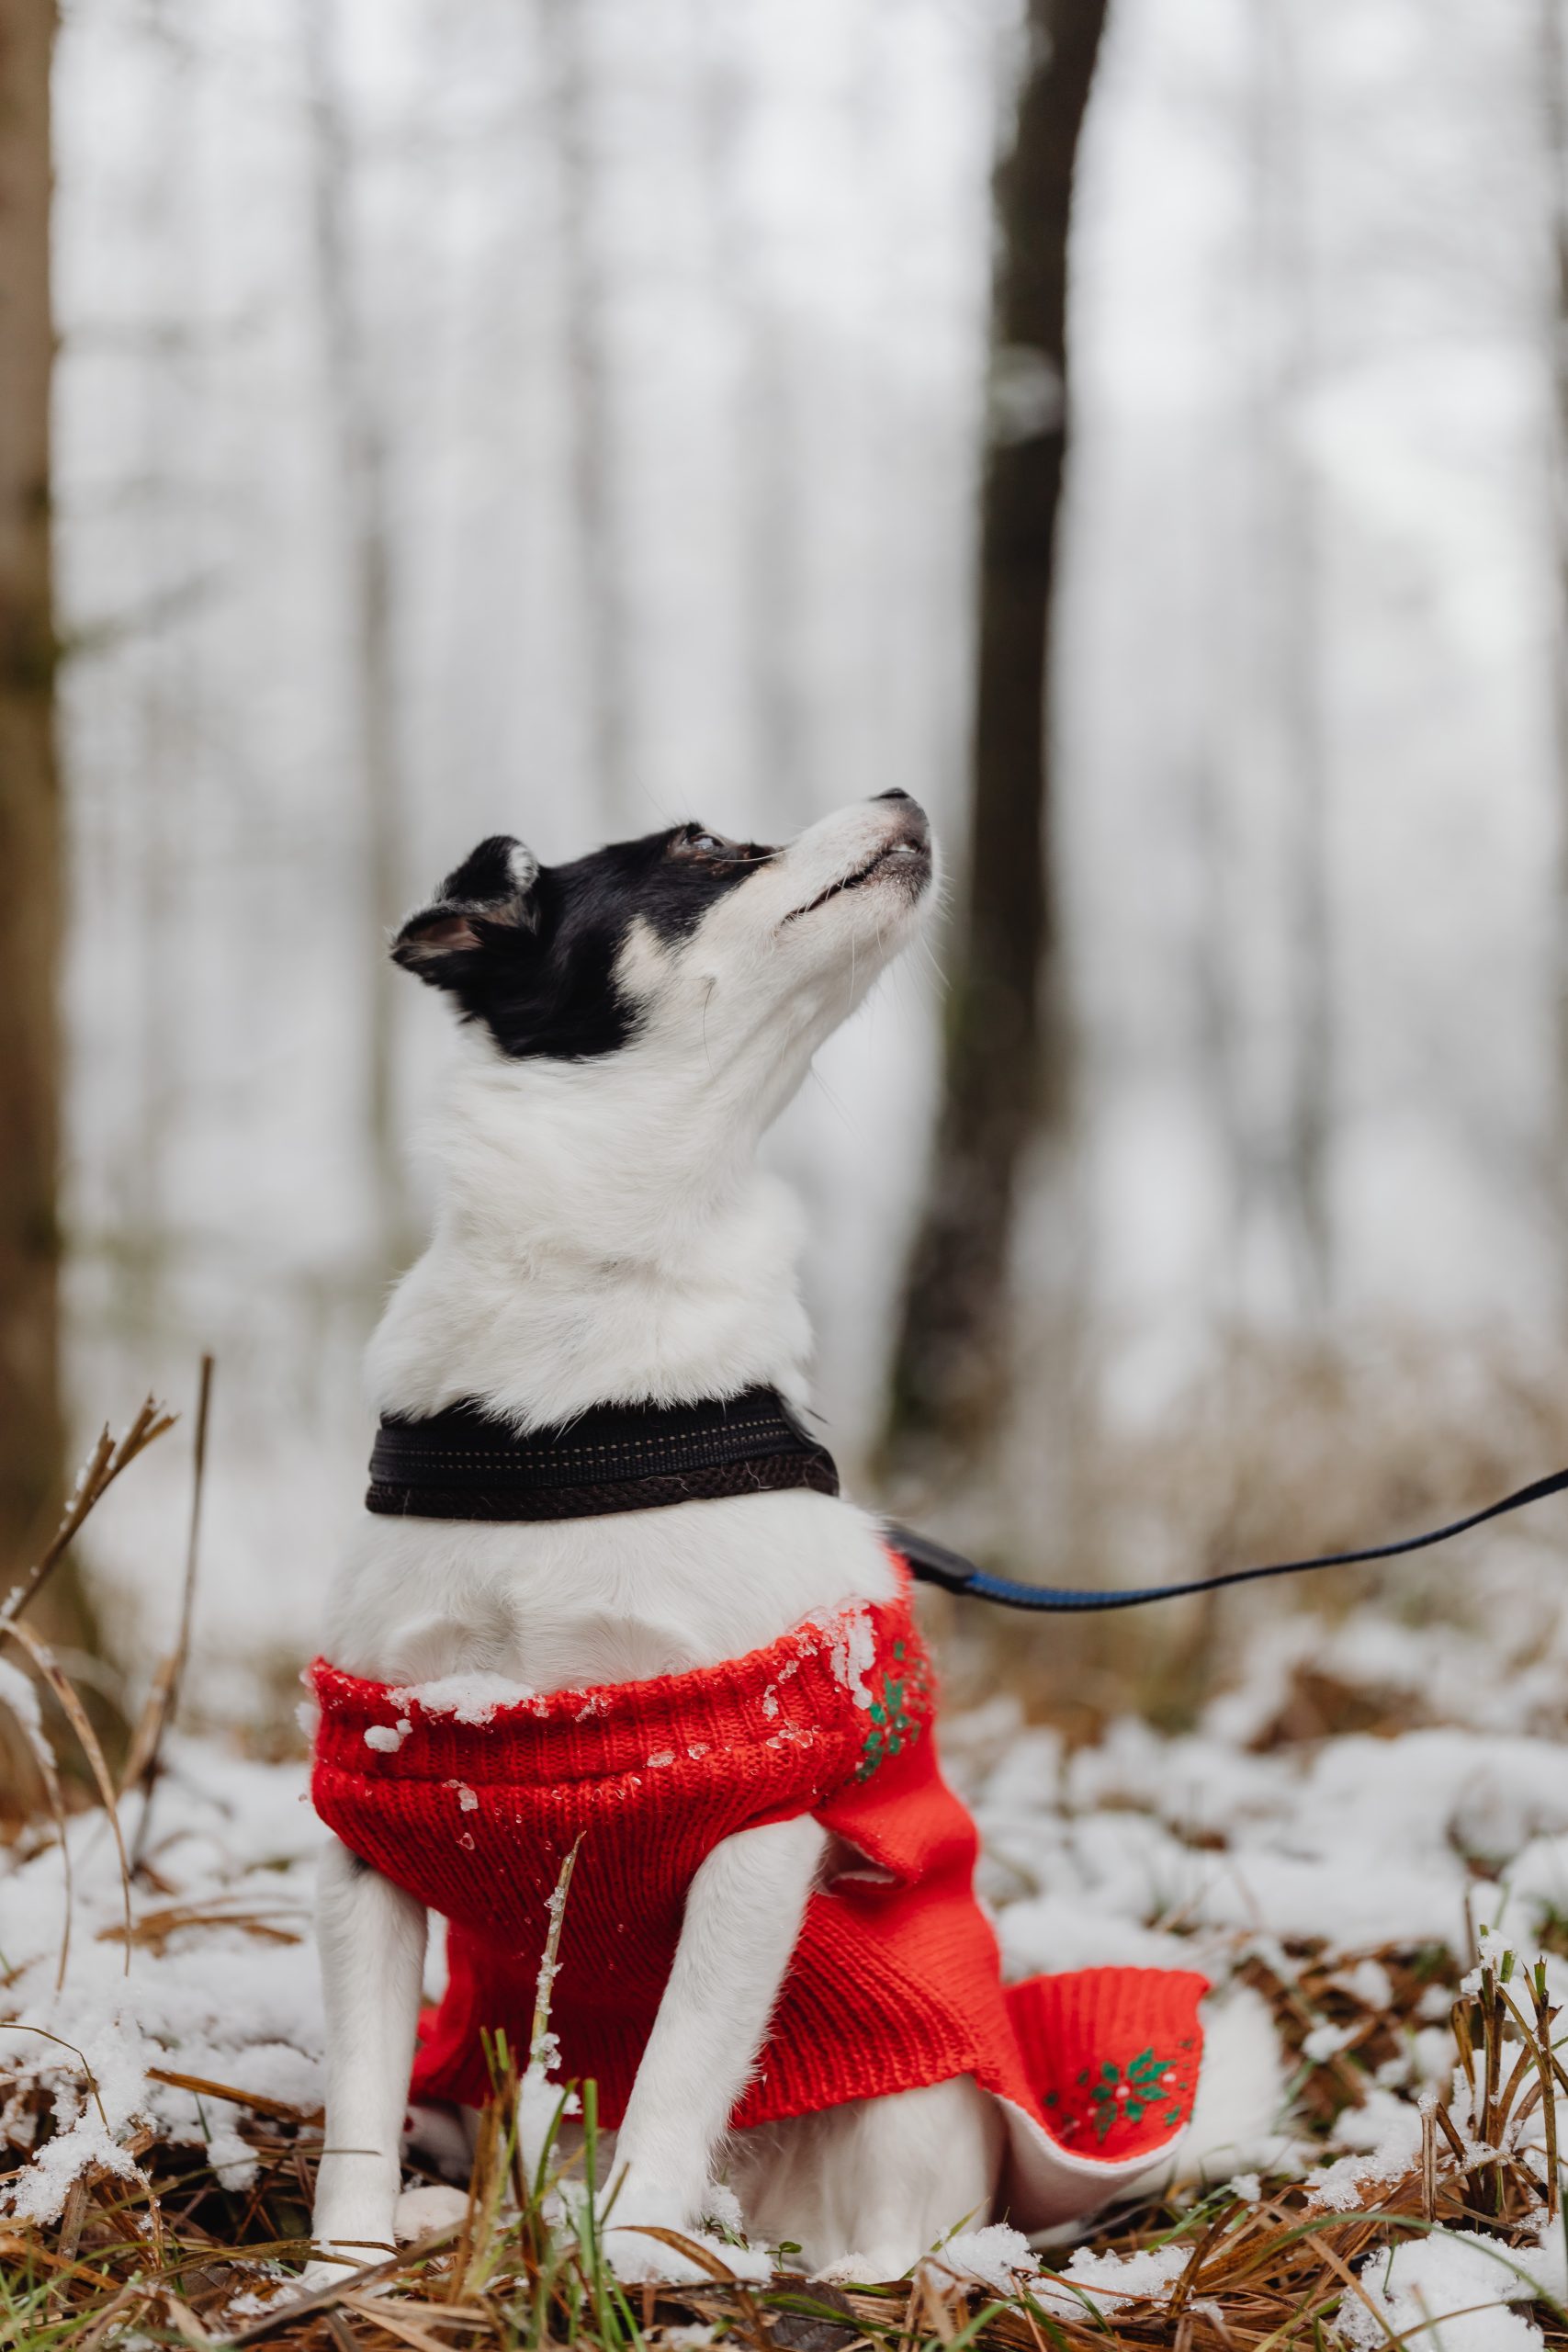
1125, 2098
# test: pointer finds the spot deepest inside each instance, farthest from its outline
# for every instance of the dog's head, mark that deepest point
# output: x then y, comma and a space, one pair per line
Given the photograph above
683, 947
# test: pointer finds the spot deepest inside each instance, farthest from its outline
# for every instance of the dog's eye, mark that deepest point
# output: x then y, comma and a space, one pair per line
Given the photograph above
698, 842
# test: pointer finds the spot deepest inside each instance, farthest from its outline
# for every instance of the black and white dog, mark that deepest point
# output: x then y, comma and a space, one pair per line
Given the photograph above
632, 1024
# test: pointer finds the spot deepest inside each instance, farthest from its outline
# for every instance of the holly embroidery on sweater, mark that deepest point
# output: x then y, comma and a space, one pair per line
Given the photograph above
1119, 2096
895, 1724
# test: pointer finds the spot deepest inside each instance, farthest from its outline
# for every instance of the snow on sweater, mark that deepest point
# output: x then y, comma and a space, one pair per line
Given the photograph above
895, 1979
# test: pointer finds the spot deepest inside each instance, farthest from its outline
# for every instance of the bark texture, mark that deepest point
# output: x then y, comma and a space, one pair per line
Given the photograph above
1004, 1063
31, 1430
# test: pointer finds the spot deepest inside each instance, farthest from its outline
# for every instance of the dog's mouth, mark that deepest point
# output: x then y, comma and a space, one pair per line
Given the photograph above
908, 858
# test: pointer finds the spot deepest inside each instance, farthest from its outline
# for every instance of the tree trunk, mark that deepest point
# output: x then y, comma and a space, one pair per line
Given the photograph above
1552, 81
1004, 1070
769, 586
568, 33
362, 439
1289, 603
32, 1439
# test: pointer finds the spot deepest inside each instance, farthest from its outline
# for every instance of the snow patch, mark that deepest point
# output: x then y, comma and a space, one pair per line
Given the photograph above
852, 1649
997, 2258
467, 1697
1108, 2282
1452, 2286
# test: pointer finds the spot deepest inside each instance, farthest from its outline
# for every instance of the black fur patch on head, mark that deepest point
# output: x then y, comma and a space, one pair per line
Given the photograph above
531, 950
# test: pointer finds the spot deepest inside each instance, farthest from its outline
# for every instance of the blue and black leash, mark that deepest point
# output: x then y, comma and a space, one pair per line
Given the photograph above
933, 1563
469, 1463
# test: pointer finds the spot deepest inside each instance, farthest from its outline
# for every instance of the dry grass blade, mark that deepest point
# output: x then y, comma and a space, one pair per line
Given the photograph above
59, 2039
442, 2315
399, 2320
204, 2088
154, 1928
77, 1714
149, 1728
550, 1964
129, 2299
701, 2257
324, 2298
1343, 2271
109, 1457
20, 2250
43, 1756
142, 1766
184, 2321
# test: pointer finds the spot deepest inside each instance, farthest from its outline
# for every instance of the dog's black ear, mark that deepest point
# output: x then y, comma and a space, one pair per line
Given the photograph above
487, 900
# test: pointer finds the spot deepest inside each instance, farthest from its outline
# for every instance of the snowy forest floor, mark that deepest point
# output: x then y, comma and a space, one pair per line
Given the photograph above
1364, 1843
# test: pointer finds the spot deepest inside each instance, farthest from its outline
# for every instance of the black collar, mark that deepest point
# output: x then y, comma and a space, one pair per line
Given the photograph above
466, 1463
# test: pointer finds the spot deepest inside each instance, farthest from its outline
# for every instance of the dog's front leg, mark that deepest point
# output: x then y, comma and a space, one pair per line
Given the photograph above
743, 1914
371, 1937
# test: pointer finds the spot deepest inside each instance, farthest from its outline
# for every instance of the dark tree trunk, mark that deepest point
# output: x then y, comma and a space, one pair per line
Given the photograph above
1552, 81
1004, 1057
31, 1422
568, 31
361, 434
1290, 619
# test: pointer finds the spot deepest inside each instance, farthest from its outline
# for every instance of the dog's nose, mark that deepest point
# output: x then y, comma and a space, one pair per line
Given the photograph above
909, 816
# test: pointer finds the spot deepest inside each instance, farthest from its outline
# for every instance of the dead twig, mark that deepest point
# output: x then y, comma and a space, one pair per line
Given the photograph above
141, 1765
43, 1756
326, 2298
76, 1716
204, 2088
109, 1457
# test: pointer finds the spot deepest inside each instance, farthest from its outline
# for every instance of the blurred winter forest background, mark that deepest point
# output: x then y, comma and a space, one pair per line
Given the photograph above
569, 416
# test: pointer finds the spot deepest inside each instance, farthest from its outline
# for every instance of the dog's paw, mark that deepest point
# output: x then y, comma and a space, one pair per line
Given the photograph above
639, 2259
335, 2267
432, 2206
636, 2257
630, 2212
344, 2247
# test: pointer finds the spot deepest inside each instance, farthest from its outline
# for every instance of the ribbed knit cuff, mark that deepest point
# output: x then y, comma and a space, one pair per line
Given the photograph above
1112, 2055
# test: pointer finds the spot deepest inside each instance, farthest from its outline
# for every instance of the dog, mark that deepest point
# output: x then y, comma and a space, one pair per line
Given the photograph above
630, 1025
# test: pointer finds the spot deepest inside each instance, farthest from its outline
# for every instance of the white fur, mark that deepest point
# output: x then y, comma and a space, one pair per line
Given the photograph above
866, 2188
1237, 2116
605, 1235
371, 1936
744, 1912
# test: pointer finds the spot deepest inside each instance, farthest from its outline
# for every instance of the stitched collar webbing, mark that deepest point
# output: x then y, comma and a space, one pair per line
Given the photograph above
466, 1463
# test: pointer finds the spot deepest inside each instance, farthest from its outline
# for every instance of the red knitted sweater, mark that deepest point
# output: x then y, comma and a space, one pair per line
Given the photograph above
895, 1980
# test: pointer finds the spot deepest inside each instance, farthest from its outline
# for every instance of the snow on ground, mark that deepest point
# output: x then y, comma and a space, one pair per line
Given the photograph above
1209, 1848
221, 1981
